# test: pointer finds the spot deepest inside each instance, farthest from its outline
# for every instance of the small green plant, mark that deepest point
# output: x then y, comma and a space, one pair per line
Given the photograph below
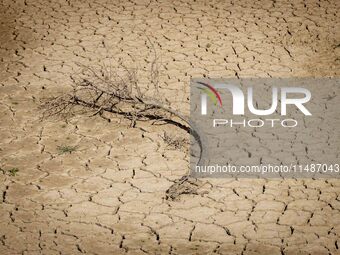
66, 149
12, 172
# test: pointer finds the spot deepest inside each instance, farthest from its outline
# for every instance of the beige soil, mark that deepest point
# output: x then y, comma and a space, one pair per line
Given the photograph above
108, 196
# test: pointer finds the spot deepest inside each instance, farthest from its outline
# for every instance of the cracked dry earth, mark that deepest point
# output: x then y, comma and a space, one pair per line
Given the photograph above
108, 196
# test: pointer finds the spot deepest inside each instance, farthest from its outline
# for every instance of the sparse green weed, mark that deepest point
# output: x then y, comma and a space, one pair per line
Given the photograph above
66, 149
12, 171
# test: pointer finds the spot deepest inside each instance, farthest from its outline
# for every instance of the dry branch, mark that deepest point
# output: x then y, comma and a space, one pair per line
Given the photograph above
118, 91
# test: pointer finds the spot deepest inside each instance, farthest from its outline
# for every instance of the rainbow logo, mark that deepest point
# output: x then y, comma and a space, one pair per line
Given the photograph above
211, 92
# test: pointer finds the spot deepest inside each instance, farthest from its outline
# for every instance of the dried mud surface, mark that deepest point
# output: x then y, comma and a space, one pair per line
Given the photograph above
108, 196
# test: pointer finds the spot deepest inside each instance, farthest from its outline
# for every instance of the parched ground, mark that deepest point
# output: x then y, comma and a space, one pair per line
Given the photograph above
108, 196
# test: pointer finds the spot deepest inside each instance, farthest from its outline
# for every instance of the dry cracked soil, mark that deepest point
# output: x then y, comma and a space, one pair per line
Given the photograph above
86, 185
